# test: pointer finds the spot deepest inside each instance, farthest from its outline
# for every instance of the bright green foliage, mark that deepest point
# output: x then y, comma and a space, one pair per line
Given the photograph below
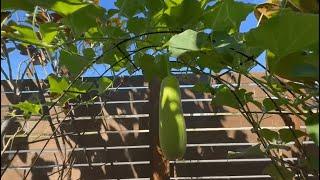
172, 128
62, 7
227, 15
188, 40
24, 34
28, 108
73, 62
287, 33
88, 15
48, 32
104, 83
178, 13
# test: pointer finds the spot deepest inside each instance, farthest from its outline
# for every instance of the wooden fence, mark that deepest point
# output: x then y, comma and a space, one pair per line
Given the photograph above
116, 144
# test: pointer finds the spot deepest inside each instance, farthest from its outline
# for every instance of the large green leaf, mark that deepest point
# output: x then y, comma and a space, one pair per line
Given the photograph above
129, 8
223, 96
84, 18
226, 15
73, 62
296, 66
287, 136
137, 25
59, 85
104, 83
269, 134
286, 33
24, 34
28, 108
312, 124
269, 105
188, 40
48, 32
152, 66
154, 6
62, 7
182, 13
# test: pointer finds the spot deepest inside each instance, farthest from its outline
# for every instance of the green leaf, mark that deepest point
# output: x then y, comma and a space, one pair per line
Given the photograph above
226, 15
251, 152
57, 85
48, 32
286, 33
129, 8
27, 5
269, 135
62, 7
279, 172
214, 60
268, 105
287, 136
88, 14
188, 40
73, 62
152, 66
89, 53
93, 32
65, 7
28, 108
297, 66
24, 34
202, 88
224, 96
137, 25
312, 123
104, 83
178, 13
154, 6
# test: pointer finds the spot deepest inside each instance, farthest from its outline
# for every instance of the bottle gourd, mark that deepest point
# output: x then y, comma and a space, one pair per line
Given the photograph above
172, 128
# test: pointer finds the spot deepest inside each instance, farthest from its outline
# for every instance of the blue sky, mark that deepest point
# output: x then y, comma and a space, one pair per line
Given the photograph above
18, 62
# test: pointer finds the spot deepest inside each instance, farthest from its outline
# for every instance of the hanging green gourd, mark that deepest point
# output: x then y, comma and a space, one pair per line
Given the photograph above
172, 128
